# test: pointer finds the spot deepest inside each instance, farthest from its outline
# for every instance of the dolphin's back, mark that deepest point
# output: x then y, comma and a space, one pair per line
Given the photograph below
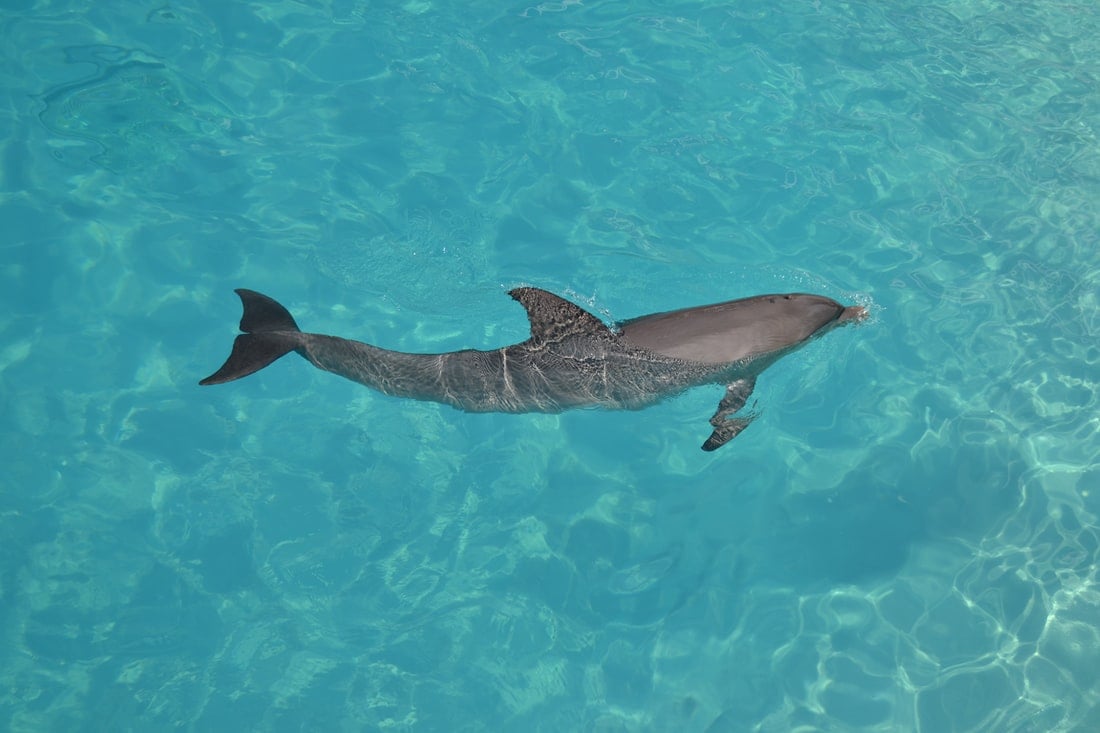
572, 359
733, 331
524, 377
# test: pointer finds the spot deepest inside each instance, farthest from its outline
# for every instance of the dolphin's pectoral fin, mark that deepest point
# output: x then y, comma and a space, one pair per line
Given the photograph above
726, 431
727, 428
737, 394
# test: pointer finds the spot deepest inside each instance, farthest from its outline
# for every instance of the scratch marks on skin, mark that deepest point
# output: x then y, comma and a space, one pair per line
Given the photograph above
510, 393
440, 374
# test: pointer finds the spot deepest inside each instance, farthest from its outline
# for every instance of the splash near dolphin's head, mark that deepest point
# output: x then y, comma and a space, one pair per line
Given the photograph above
853, 314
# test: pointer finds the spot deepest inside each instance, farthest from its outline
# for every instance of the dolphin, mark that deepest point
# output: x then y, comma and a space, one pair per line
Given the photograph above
572, 359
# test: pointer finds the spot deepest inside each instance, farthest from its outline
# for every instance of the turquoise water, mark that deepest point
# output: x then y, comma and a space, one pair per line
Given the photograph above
905, 540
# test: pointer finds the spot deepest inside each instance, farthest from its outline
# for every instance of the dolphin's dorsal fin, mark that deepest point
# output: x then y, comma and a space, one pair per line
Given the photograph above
554, 318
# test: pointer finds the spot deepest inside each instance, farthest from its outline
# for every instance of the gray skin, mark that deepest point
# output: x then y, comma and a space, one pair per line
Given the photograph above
572, 358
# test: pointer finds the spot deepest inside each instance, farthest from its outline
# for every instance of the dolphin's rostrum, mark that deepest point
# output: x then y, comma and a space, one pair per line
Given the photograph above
571, 360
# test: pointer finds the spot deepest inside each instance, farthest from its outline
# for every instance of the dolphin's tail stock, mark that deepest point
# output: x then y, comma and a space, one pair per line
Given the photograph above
269, 333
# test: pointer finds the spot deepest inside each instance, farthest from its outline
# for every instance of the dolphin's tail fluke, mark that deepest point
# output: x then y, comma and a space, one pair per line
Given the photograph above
269, 333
